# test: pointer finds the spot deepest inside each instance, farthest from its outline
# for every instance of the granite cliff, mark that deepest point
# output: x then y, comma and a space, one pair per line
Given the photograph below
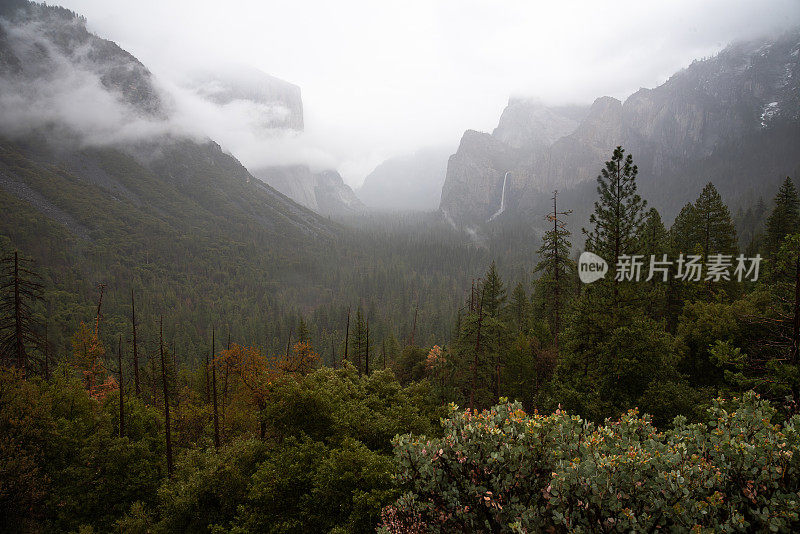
731, 119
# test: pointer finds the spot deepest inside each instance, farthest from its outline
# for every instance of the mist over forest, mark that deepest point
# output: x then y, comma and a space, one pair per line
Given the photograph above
437, 267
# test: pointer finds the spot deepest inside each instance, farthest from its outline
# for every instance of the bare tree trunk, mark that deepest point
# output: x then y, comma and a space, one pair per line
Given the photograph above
475, 360
99, 306
497, 378
121, 390
796, 326
137, 388
472, 297
22, 359
262, 424
46, 354
366, 357
214, 387
153, 379
617, 233
207, 380
414, 326
347, 335
166, 398
556, 286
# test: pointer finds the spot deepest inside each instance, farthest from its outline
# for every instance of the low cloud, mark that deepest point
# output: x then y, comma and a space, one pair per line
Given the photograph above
239, 127
56, 91
61, 91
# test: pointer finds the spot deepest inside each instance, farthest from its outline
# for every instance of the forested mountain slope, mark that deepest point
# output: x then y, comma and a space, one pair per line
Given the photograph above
99, 185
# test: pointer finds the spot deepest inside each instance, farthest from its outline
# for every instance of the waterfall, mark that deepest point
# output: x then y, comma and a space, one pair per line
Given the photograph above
502, 199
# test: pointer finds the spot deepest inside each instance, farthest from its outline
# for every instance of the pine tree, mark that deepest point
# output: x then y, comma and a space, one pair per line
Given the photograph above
684, 233
359, 352
750, 228
655, 244
137, 388
214, 386
557, 280
784, 219
392, 347
166, 397
121, 390
494, 293
618, 215
519, 307
20, 289
303, 335
347, 337
716, 231
684, 238
366, 352
654, 234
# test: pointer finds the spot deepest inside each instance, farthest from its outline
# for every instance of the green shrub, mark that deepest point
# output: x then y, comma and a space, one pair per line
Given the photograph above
502, 470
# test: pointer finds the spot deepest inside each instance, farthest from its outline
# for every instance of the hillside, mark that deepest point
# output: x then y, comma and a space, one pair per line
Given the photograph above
176, 218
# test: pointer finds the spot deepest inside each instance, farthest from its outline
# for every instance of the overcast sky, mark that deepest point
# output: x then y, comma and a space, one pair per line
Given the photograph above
381, 78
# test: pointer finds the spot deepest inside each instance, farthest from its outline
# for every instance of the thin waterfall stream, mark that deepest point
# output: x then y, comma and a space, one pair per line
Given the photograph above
502, 198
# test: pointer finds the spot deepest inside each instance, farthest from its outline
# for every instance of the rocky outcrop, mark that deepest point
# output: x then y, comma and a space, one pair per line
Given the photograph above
39, 43
324, 192
474, 183
747, 95
529, 123
277, 102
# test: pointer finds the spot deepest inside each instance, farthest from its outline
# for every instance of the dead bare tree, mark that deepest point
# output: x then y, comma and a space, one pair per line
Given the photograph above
166, 397
19, 291
347, 335
214, 386
474, 383
121, 390
137, 388
102, 288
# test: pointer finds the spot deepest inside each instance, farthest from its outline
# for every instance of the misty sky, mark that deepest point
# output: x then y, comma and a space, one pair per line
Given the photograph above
381, 78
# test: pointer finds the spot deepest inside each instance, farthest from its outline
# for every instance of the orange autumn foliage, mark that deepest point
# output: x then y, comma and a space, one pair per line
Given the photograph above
302, 359
87, 359
435, 358
254, 371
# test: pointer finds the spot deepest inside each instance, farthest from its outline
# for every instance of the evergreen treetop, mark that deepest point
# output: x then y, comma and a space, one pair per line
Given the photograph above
619, 214
785, 217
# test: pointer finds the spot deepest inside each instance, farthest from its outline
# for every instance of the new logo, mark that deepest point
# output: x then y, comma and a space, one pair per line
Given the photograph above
591, 267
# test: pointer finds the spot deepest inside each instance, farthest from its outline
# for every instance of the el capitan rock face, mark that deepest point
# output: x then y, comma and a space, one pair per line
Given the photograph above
276, 103
749, 94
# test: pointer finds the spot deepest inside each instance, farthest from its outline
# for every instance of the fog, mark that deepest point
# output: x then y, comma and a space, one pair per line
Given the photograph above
384, 78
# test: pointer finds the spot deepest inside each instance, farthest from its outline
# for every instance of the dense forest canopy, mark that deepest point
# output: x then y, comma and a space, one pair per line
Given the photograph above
153, 414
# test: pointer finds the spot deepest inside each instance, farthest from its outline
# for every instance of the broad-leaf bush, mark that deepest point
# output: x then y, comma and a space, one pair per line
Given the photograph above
503, 470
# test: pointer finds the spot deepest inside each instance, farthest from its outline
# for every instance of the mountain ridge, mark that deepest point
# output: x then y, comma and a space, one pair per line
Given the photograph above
744, 91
